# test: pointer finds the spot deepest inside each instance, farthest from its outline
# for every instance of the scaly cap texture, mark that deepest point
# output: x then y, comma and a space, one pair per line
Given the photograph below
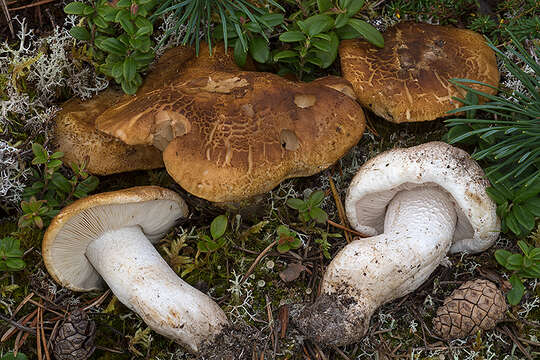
408, 79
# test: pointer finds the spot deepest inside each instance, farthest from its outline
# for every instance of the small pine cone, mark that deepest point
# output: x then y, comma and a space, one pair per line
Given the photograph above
475, 305
75, 338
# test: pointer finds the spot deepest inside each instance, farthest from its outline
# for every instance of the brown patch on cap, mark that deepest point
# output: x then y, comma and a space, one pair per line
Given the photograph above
246, 140
408, 79
76, 136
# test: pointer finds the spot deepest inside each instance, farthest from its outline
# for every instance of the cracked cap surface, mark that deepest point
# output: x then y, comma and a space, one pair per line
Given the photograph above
228, 136
407, 80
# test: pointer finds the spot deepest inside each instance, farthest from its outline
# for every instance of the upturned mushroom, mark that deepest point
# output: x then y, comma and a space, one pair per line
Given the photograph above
108, 237
416, 205
408, 79
228, 136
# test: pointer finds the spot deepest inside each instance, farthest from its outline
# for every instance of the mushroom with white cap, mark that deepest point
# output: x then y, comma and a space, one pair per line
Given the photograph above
109, 237
416, 205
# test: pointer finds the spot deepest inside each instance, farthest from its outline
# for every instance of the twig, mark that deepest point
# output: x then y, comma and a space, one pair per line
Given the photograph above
320, 352
42, 2
339, 206
38, 334
517, 342
16, 325
261, 255
8, 17
43, 338
534, 343
334, 224
340, 353
98, 301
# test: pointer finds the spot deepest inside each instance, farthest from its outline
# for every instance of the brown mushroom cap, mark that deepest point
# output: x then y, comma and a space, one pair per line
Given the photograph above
407, 80
239, 134
76, 136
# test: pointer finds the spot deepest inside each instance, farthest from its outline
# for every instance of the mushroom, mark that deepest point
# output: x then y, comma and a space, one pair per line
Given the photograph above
109, 237
76, 136
416, 205
228, 136
408, 79
75, 132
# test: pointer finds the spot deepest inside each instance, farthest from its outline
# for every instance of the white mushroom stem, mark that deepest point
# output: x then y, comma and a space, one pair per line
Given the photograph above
143, 281
418, 231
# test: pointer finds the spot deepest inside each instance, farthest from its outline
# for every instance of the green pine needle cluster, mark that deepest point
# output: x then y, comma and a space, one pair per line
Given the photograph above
506, 133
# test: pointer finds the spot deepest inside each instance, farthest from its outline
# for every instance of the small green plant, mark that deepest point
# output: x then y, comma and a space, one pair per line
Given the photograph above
241, 20
218, 227
287, 239
504, 131
522, 267
179, 263
119, 35
51, 190
309, 208
11, 255
324, 244
315, 39
12, 356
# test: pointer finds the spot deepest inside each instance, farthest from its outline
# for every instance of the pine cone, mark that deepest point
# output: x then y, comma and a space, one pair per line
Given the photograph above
75, 338
475, 305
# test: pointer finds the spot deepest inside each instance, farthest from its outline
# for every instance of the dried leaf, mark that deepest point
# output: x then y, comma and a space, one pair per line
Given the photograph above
292, 272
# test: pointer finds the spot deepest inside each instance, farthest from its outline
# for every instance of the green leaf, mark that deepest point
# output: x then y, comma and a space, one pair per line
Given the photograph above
107, 12
129, 87
77, 8
534, 254
283, 230
61, 183
272, 20
283, 248
80, 33
523, 216
514, 296
15, 264
316, 198
113, 46
318, 215
502, 256
142, 43
259, 49
524, 247
324, 5
367, 31
296, 243
354, 6
296, 203
317, 24
328, 57
129, 69
144, 26
285, 54
10, 356
240, 54
292, 36
218, 226
496, 195
127, 25
533, 205
87, 185
40, 154
514, 262
341, 21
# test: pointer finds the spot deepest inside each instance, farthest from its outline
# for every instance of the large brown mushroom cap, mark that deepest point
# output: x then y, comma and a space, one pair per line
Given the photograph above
407, 80
76, 136
239, 134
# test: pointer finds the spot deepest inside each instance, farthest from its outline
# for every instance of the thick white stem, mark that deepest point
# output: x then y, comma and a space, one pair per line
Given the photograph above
367, 273
145, 283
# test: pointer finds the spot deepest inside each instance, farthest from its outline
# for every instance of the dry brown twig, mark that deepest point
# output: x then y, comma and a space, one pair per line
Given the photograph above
8, 17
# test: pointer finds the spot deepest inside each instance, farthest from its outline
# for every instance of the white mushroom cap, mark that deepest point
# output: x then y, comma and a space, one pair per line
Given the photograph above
152, 208
437, 163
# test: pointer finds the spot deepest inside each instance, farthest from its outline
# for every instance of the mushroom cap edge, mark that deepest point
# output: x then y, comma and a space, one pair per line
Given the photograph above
135, 195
